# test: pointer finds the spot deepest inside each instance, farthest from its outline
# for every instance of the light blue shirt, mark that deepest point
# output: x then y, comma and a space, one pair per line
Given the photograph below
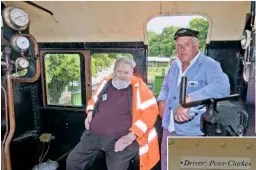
171, 127
209, 82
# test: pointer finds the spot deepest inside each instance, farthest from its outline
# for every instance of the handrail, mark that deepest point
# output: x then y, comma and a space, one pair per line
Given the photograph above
211, 118
199, 102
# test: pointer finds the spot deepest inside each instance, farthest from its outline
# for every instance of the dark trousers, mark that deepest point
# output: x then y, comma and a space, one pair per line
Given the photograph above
85, 152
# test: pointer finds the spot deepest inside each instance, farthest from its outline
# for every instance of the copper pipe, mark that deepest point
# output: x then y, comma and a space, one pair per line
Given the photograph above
7, 128
7, 53
6, 115
3, 157
36, 49
37, 74
12, 122
30, 80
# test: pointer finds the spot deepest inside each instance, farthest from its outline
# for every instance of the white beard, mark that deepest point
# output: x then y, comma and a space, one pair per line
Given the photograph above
120, 84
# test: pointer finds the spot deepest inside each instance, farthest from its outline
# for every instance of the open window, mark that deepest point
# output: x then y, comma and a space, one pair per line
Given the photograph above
63, 79
162, 47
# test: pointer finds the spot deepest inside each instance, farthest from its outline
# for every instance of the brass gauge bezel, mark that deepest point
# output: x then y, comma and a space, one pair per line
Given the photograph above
10, 23
20, 63
15, 46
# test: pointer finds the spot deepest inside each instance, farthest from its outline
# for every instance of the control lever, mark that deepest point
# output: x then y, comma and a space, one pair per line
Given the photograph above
211, 117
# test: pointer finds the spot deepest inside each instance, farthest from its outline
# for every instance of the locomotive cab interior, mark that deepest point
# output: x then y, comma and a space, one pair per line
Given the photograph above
38, 127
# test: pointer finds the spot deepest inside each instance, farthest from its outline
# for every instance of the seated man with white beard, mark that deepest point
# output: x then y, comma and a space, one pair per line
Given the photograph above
120, 121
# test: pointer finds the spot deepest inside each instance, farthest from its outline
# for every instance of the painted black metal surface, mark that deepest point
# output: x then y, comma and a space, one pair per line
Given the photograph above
27, 129
66, 126
25, 154
91, 45
228, 53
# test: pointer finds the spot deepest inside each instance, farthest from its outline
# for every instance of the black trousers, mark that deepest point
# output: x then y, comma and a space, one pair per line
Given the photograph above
85, 152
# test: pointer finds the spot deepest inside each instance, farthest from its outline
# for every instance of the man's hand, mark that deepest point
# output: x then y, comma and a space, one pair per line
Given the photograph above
124, 141
161, 108
88, 120
182, 113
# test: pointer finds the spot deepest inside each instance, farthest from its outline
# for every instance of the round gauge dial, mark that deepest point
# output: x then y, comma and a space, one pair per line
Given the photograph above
22, 63
19, 17
16, 18
20, 43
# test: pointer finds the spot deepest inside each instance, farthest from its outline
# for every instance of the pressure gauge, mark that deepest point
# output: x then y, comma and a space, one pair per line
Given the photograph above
20, 43
22, 63
16, 18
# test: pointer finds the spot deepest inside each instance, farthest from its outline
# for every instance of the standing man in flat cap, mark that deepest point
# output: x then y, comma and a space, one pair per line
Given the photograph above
205, 80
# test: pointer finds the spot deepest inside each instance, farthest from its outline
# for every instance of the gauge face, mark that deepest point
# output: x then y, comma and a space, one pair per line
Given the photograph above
22, 63
19, 17
22, 43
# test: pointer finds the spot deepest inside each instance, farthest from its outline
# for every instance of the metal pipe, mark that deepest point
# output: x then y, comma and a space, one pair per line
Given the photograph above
252, 12
6, 129
39, 7
37, 74
30, 80
199, 102
183, 96
7, 54
12, 122
6, 115
3, 157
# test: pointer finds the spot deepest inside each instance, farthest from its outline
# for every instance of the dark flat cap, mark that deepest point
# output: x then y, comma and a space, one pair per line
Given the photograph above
185, 32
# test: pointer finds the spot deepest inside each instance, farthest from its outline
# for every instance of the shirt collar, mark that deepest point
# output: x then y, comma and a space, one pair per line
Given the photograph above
191, 62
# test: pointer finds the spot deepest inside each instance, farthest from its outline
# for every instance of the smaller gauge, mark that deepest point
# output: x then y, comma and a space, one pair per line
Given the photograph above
21, 63
20, 43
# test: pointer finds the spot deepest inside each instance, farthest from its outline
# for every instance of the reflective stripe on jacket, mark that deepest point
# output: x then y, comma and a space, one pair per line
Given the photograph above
144, 112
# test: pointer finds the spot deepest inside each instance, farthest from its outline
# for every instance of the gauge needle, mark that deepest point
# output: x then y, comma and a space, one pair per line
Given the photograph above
18, 17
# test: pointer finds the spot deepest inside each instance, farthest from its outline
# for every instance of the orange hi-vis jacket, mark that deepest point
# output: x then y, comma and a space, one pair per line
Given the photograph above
144, 113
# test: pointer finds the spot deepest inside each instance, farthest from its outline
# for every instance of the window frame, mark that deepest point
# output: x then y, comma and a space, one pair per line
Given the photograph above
85, 79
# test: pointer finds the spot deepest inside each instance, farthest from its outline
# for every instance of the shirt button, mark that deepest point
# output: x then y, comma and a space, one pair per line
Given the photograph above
174, 98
